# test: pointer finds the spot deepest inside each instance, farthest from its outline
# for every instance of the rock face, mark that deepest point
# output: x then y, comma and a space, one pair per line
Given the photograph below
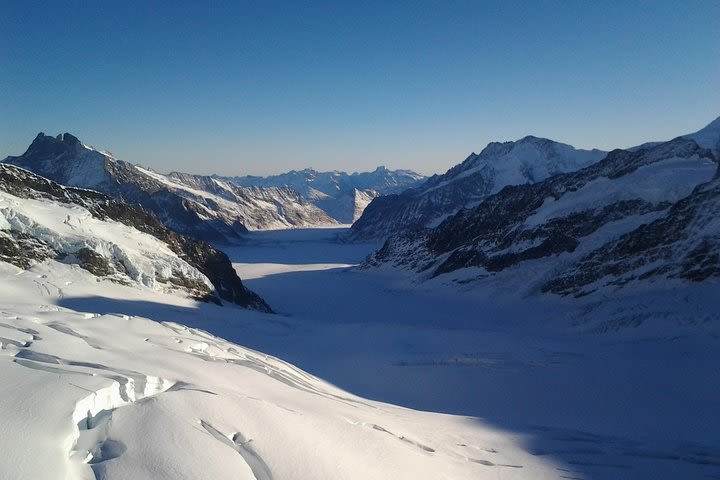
635, 215
528, 160
343, 196
41, 219
683, 244
204, 208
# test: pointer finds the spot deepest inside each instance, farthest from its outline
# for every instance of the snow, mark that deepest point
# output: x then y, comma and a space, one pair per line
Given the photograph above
69, 228
258, 208
108, 395
343, 196
362, 200
527, 160
111, 381
622, 386
668, 180
708, 137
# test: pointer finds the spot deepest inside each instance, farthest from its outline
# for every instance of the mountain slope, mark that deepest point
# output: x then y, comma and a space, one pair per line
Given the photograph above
708, 137
684, 244
343, 196
219, 214
41, 220
257, 208
528, 160
546, 227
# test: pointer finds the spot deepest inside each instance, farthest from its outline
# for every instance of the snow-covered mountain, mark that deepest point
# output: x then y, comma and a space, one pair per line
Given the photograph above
205, 208
640, 214
41, 220
343, 196
258, 208
708, 137
528, 160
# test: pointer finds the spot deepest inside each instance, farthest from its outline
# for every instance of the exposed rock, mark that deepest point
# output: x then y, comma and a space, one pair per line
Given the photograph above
632, 216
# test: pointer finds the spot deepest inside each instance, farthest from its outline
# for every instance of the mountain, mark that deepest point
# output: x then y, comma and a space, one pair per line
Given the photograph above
204, 208
258, 208
708, 137
41, 220
640, 214
528, 160
343, 196
683, 244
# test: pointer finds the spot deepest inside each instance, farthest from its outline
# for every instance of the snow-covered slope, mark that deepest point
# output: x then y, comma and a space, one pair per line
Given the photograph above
43, 221
527, 160
597, 216
343, 196
708, 137
258, 208
92, 395
683, 244
204, 208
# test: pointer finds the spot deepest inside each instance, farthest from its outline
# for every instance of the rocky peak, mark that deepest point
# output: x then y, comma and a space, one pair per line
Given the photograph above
68, 139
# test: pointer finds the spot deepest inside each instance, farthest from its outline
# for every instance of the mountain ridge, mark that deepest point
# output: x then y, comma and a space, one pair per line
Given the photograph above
220, 215
575, 233
527, 160
342, 195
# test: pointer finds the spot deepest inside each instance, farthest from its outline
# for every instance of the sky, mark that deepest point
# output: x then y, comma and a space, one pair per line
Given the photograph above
268, 86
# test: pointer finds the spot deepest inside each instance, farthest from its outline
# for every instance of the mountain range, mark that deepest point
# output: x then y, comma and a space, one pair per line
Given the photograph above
204, 208
641, 214
111, 339
213, 208
528, 160
343, 196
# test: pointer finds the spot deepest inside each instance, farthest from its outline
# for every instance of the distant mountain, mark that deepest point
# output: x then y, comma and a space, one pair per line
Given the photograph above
528, 160
202, 207
638, 215
343, 196
42, 220
258, 208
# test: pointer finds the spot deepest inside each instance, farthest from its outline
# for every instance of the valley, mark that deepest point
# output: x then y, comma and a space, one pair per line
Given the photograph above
360, 241
536, 366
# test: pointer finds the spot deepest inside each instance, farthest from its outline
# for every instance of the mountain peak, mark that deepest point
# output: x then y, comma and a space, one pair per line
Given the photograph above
708, 137
68, 139
45, 143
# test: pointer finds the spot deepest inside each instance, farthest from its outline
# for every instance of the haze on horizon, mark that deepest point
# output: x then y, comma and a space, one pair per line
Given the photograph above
264, 87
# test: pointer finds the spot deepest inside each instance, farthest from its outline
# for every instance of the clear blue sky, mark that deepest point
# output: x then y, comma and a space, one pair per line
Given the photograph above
263, 87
